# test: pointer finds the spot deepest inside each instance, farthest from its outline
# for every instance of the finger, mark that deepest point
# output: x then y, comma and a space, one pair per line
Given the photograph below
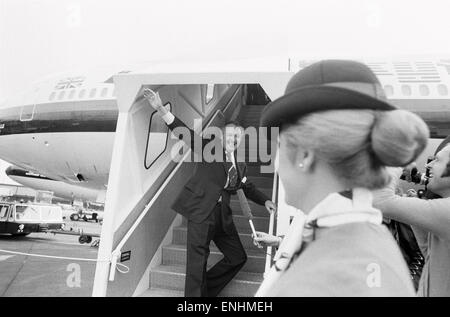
147, 92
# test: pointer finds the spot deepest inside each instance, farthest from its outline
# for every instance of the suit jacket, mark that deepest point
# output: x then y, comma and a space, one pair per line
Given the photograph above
203, 190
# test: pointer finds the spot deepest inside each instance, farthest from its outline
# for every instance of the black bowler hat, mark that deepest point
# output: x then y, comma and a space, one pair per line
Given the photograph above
326, 85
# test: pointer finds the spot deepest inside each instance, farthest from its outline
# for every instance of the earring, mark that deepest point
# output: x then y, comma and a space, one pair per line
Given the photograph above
301, 165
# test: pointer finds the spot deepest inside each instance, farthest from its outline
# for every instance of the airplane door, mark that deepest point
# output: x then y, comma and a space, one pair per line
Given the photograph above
27, 113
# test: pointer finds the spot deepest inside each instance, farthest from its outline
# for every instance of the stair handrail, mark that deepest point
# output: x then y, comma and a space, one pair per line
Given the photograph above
117, 250
268, 263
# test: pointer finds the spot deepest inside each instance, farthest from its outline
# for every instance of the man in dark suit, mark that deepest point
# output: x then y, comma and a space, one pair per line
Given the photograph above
205, 202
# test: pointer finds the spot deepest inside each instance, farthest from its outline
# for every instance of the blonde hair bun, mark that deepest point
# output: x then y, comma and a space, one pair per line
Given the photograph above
398, 137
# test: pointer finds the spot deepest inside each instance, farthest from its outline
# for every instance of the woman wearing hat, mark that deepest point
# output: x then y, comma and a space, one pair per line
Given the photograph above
337, 135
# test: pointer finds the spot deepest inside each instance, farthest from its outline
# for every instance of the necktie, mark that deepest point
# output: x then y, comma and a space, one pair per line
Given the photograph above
232, 173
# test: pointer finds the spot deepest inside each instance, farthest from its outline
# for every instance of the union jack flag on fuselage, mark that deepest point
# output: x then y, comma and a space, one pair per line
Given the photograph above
70, 82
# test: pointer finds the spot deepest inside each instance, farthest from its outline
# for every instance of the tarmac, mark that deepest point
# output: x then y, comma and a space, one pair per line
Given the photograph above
29, 276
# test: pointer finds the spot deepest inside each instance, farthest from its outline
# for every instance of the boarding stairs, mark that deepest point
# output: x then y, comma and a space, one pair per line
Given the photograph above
168, 278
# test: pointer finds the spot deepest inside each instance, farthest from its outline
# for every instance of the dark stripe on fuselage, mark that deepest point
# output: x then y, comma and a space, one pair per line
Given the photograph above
59, 121
15, 171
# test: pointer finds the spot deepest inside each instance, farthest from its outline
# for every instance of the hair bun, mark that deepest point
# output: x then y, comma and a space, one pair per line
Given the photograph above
398, 137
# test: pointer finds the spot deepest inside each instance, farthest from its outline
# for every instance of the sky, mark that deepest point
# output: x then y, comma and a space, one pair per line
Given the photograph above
43, 37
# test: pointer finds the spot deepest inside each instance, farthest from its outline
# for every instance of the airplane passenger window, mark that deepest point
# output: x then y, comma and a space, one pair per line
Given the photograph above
209, 92
61, 95
442, 90
157, 138
389, 90
72, 94
92, 93
406, 90
424, 91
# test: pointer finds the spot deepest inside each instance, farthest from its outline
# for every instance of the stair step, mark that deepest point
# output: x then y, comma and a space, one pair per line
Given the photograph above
172, 277
175, 254
255, 170
180, 238
260, 223
252, 106
251, 112
257, 210
260, 219
261, 181
267, 191
251, 117
161, 292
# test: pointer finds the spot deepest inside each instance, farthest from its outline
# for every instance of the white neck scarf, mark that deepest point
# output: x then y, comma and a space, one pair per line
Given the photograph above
334, 210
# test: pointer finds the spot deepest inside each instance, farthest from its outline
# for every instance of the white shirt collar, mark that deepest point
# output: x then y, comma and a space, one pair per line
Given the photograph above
336, 209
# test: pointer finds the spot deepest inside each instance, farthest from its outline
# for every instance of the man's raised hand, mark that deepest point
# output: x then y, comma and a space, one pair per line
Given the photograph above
155, 101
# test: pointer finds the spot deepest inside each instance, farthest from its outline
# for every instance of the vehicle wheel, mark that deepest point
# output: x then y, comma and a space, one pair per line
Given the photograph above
84, 239
85, 218
74, 217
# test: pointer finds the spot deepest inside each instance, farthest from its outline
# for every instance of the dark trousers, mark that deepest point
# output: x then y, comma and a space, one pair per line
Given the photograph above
199, 281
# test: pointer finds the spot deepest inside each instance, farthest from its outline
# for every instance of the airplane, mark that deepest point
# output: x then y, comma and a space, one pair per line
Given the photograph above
64, 129
60, 134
